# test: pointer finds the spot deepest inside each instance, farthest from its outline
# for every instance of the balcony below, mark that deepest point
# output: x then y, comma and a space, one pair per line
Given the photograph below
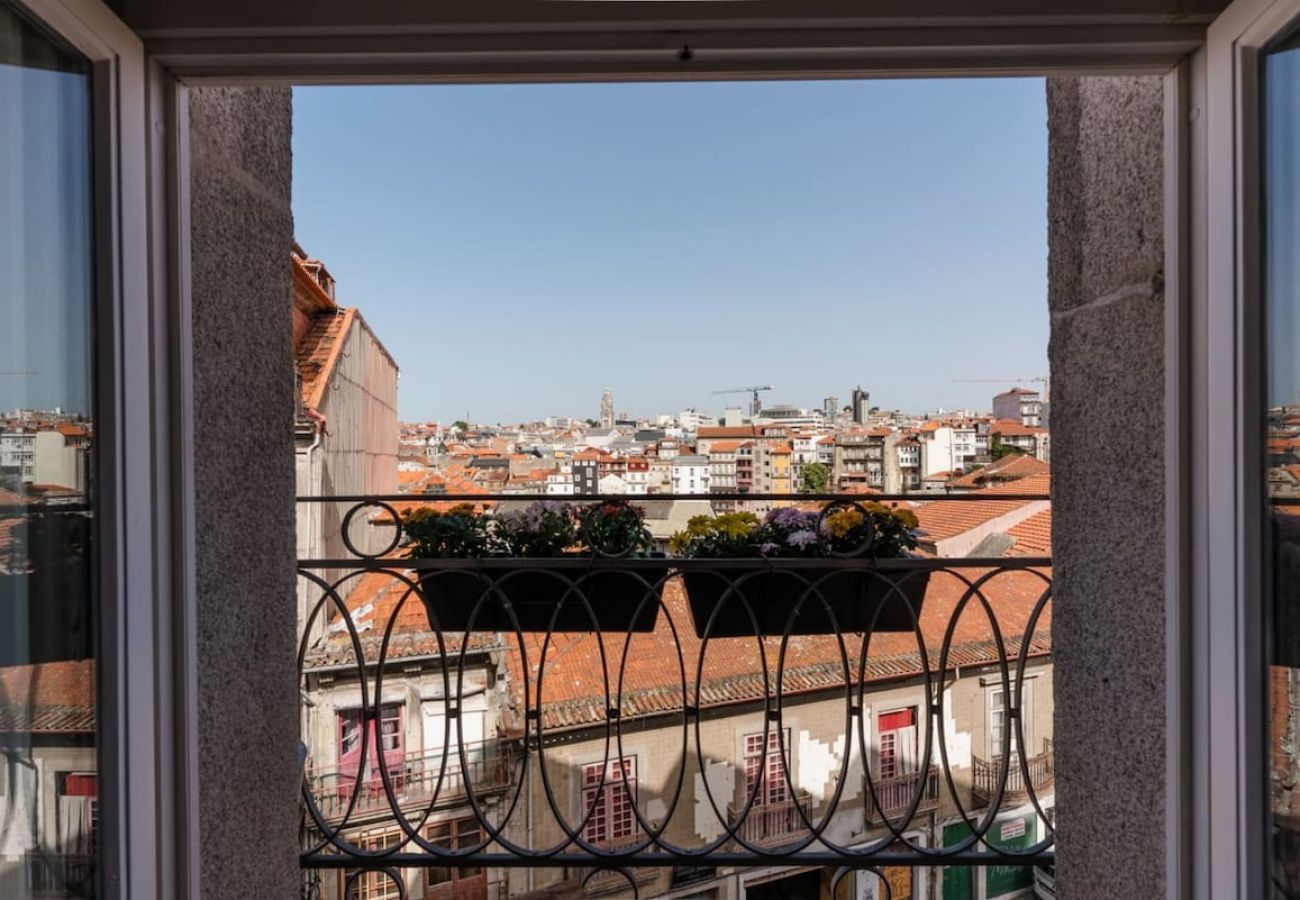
415, 781
894, 796
773, 823
986, 776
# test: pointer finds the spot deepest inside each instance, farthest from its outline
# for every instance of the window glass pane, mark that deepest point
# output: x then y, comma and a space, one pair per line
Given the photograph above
48, 809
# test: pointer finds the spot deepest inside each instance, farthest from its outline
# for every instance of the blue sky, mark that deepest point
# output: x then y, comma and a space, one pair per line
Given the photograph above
519, 248
45, 243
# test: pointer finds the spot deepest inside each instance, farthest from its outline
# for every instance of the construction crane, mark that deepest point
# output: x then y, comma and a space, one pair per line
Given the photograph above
1045, 380
755, 405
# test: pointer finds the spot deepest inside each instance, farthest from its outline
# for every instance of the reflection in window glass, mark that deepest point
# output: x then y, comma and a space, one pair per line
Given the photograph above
49, 787
1281, 178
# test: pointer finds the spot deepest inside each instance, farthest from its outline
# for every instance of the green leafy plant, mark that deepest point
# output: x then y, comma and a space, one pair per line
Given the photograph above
815, 479
459, 532
543, 528
998, 450
891, 531
871, 528
728, 534
613, 528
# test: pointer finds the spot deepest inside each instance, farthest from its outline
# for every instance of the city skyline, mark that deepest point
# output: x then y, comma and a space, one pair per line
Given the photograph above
715, 410
669, 240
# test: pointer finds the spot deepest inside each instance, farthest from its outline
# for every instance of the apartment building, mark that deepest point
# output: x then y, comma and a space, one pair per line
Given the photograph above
46, 453
345, 418
948, 446
1028, 439
1019, 405
859, 459
691, 474
585, 468
908, 454
722, 472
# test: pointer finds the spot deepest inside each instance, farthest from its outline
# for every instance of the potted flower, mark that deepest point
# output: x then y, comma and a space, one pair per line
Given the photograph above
519, 548
845, 598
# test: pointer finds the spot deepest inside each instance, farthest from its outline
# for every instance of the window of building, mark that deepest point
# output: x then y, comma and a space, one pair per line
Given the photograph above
78, 813
373, 885
767, 767
385, 735
454, 834
1002, 733
897, 742
612, 804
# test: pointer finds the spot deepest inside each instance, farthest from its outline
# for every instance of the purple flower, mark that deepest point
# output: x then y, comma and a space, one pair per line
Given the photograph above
768, 548
788, 517
802, 538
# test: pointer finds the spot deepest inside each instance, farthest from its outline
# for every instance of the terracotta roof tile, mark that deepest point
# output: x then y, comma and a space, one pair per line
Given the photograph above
1009, 468
943, 519
48, 698
574, 689
319, 350
1033, 536
1012, 428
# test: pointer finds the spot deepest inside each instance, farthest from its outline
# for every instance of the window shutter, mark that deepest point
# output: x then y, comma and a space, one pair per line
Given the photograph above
907, 758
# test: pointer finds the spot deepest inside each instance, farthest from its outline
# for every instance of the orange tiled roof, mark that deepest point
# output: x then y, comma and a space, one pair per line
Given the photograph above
1033, 536
319, 350
574, 688
1008, 468
378, 599
48, 698
943, 519
1012, 428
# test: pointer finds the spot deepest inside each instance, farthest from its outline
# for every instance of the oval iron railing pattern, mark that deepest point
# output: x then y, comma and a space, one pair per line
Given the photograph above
772, 823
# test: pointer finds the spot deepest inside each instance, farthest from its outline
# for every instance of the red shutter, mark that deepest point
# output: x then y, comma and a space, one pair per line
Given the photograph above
901, 718
81, 786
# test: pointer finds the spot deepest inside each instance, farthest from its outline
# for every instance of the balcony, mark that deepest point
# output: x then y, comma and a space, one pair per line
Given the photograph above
569, 698
771, 824
894, 797
50, 876
986, 777
415, 782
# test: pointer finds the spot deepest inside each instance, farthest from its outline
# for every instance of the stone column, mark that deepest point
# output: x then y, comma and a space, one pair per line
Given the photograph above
1106, 299
242, 231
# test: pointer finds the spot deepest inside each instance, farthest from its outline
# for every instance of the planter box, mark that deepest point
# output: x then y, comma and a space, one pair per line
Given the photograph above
534, 591
854, 597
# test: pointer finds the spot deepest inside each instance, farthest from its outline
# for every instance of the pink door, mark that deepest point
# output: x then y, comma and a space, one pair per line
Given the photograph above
384, 736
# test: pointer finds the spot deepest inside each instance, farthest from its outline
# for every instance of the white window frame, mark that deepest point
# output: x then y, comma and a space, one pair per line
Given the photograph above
1225, 654
1025, 749
1212, 603
147, 743
613, 788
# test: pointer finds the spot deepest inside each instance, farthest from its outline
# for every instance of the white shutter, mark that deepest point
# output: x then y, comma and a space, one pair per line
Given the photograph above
906, 750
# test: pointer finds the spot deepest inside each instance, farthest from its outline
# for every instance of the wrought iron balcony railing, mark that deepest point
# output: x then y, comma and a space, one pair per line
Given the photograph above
586, 657
771, 823
894, 796
49, 876
415, 781
1026, 776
